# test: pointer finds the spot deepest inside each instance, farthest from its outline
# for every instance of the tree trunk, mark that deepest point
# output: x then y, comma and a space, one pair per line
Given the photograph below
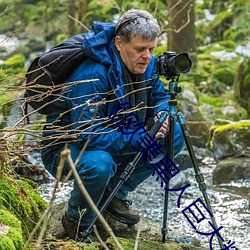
71, 6
83, 7
181, 27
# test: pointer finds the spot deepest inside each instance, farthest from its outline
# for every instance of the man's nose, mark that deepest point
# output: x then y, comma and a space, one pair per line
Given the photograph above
146, 54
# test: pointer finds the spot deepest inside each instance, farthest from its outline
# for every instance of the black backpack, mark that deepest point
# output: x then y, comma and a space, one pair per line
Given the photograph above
47, 74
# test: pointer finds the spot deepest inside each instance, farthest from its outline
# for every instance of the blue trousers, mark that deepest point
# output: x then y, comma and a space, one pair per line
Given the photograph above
99, 171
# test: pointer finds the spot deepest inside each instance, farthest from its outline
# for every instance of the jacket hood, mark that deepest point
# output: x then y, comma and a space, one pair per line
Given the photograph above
98, 43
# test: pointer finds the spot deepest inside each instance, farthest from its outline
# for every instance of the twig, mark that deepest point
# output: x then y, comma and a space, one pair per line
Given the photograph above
99, 238
77, 21
137, 236
66, 154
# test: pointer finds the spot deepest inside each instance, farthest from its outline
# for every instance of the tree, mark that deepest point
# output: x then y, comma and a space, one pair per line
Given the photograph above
181, 27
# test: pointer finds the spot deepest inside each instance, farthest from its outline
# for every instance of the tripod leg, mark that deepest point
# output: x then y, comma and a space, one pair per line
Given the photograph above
164, 229
198, 175
170, 140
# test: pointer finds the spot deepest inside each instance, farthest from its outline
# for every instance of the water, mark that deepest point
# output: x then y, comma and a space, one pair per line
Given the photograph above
230, 203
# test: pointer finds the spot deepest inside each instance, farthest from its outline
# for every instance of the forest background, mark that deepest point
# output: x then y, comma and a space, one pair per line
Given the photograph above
214, 33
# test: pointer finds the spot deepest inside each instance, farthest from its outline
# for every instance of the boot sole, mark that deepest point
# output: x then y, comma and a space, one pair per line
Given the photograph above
121, 219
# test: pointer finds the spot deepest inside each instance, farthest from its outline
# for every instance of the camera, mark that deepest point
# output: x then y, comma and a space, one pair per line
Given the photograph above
171, 65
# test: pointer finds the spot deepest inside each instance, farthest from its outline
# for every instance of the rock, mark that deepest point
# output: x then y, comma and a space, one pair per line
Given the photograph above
197, 125
231, 139
231, 169
188, 95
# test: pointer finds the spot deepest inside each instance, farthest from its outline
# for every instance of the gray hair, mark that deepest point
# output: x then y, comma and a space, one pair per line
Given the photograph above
137, 22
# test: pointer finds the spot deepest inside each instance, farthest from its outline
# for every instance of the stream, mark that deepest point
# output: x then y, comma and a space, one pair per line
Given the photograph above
230, 203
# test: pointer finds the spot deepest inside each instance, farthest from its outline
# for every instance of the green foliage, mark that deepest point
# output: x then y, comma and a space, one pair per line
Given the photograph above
12, 67
229, 23
224, 75
17, 61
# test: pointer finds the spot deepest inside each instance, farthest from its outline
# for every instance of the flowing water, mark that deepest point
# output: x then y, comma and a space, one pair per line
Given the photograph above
230, 203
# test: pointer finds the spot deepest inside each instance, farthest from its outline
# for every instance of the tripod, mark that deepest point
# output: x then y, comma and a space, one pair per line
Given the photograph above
173, 90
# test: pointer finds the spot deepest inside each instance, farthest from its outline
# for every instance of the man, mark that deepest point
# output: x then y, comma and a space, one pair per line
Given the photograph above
121, 70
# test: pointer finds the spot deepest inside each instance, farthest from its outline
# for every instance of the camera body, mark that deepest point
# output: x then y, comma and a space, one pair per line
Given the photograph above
171, 65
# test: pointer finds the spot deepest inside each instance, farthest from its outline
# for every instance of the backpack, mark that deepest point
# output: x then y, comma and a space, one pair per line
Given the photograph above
47, 74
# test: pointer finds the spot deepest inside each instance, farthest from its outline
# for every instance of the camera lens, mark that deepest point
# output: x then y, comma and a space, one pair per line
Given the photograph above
182, 63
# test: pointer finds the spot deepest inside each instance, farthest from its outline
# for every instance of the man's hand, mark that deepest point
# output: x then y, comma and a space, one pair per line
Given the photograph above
164, 128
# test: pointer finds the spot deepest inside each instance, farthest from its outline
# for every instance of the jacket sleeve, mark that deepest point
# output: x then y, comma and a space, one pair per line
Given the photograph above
89, 119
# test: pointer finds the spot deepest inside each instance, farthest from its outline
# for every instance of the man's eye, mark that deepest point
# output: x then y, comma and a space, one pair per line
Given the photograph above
139, 50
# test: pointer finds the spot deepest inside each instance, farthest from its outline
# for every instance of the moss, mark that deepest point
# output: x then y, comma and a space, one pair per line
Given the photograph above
21, 199
128, 244
13, 239
6, 243
214, 101
225, 75
16, 61
16, 237
235, 125
9, 219
220, 132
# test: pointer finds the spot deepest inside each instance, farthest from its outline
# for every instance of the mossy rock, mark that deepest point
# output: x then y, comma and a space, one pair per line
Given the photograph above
11, 237
231, 139
128, 244
22, 200
219, 107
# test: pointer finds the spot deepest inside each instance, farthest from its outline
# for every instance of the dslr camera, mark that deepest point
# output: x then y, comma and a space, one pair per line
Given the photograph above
171, 65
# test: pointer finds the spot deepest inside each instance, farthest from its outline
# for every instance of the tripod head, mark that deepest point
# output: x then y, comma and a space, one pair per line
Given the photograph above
174, 89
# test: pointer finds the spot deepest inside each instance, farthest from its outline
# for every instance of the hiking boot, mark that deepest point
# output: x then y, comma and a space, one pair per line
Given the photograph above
75, 231
121, 211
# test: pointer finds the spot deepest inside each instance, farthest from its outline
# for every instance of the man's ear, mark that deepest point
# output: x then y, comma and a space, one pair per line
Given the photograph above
118, 42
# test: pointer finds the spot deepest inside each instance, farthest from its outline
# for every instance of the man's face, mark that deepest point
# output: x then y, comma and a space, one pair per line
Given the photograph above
137, 53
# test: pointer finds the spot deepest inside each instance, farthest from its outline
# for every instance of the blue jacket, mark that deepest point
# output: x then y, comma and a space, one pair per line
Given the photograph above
89, 102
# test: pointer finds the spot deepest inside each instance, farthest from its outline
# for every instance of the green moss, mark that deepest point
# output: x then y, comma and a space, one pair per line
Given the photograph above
128, 244
6, 243
21, 199
9, 219
16, 237
13, 239
225, 75
236, 125
239, 128
16, 61
212, 100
